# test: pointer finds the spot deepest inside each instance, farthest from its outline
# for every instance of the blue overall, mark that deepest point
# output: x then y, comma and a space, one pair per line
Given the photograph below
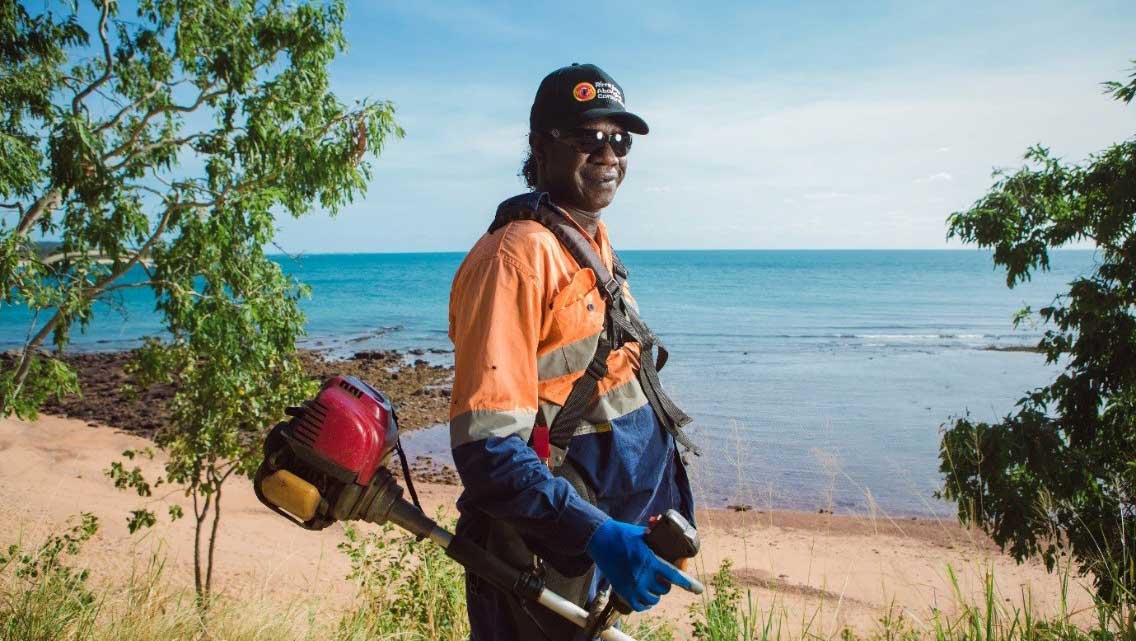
632, 471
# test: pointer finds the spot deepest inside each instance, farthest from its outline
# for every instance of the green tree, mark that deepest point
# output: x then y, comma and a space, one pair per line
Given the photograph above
157, 150
1058, 475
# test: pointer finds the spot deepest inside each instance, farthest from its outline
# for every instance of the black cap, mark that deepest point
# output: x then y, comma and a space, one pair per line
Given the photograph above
573, 95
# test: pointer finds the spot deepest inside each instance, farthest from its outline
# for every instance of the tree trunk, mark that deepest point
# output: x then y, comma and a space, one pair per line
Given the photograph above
213, 540
198, 529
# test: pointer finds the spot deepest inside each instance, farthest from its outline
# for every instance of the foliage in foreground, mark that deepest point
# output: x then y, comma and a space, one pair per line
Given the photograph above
408, 588
1058, 475
410, 591
724, 615
156, 151
45, 599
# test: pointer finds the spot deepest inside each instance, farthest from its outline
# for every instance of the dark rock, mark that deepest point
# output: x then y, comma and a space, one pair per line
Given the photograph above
101, 376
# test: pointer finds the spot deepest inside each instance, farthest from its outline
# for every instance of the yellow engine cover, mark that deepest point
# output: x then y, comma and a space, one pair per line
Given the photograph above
291, 493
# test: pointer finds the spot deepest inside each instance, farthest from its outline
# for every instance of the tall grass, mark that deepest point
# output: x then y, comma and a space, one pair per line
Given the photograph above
726, 614
409, 590
48, 600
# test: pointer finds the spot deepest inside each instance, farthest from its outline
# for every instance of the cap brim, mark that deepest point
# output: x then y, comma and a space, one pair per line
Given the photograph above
625, 119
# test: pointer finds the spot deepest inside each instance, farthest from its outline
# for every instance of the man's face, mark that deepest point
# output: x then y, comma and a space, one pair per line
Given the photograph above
586, 182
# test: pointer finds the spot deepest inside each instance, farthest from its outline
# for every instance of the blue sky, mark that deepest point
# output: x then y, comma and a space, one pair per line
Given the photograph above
773, 124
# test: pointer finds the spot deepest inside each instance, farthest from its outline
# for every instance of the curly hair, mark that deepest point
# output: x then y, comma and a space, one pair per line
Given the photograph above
529, 167
528, 171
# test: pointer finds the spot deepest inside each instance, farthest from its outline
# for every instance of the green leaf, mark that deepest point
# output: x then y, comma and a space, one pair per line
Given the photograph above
1054, 476
140, 519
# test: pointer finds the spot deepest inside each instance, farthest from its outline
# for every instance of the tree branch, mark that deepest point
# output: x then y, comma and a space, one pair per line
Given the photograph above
147, 188
97, 289
176, 142
77, 101
205, 95
138, 256
115, 288
292, 257
122, 112
45, 204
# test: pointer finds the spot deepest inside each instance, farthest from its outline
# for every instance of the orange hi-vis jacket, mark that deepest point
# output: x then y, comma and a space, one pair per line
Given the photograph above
525, 319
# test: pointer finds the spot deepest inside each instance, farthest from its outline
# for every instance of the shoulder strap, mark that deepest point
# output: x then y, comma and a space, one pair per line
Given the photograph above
535, 206
621, 322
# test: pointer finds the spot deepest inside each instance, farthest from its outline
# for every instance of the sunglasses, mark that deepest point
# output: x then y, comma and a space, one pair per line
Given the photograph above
589, 141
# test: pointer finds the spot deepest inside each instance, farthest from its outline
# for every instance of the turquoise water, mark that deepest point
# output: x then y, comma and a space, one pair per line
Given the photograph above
817, 379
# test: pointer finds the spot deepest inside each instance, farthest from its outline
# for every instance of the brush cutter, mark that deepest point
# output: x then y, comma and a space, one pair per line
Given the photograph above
327, 464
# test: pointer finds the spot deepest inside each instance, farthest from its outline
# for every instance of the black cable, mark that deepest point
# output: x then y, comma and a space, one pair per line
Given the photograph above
406, 473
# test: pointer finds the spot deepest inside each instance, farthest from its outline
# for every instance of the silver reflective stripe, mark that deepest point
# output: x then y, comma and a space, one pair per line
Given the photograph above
478, 425
617, 402
573, 357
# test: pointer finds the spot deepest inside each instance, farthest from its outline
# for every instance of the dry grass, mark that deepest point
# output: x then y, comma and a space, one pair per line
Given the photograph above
410, 591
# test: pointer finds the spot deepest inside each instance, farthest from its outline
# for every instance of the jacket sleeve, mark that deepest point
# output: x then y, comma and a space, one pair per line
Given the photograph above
496, 311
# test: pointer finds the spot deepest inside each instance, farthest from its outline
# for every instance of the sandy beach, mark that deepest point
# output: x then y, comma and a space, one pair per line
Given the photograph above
826, 571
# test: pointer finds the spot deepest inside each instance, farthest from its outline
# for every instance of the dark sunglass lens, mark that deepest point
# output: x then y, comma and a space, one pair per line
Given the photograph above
620, 144
585, 141
590, 141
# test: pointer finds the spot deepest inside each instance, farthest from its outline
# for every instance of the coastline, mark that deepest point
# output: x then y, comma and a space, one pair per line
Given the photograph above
419, 389
822, 359
837, 570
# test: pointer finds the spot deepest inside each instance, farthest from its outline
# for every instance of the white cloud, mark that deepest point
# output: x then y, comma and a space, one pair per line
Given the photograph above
776, 162
939, 177
838, 162
463, 17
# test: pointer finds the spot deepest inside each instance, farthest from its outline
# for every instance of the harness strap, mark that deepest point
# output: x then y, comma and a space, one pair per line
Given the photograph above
621, 323
564, 425
670, 415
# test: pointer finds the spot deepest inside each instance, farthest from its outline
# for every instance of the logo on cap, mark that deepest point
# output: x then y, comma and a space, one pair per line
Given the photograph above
584, 92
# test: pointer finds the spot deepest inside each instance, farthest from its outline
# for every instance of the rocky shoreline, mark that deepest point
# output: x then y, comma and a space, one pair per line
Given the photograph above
419, 390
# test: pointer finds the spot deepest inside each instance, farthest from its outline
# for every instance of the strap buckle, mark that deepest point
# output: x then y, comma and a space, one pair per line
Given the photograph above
558, 456
597, 369
613, 288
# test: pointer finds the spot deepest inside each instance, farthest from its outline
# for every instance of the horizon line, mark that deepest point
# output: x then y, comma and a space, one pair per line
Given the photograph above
689, 250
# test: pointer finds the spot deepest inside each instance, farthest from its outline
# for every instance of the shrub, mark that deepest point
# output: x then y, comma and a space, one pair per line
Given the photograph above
408, 589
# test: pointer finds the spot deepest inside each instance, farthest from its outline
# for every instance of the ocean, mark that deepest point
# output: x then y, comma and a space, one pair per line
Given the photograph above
817, 379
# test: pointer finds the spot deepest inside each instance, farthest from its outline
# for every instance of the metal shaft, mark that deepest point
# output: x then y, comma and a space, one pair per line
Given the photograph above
398, 511
547, 598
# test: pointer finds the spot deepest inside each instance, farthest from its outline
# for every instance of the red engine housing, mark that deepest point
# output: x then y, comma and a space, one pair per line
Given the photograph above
351, 424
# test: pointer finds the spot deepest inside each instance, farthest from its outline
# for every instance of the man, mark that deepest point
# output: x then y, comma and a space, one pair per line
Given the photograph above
527, 320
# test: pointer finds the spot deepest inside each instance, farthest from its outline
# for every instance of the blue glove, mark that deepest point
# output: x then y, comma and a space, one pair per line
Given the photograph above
620, 551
